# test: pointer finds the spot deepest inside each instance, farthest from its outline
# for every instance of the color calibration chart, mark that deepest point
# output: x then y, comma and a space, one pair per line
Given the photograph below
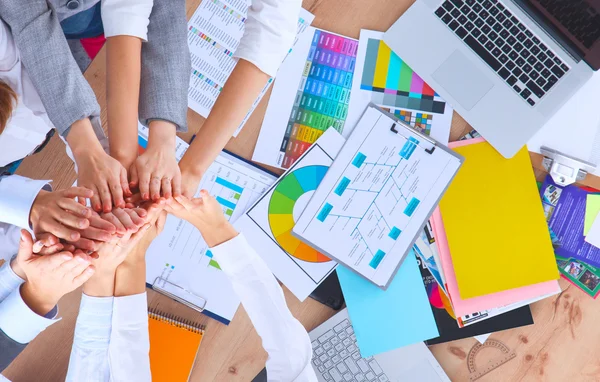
323, 95
393, 83
383, 78
310, 95
214, 34
180, 256
373, 201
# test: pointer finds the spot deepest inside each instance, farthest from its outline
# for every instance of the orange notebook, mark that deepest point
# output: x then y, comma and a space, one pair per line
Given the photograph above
173, 347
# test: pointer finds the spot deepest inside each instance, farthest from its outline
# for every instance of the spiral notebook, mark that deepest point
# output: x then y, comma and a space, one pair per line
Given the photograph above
173, 346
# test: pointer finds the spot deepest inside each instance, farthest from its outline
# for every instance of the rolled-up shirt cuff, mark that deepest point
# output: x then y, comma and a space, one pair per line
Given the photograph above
94, 322
130, 310
28, 325
126, 18
233, 255
17, 195
9, 281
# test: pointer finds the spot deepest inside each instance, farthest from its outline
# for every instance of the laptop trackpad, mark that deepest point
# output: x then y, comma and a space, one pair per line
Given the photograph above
462, 79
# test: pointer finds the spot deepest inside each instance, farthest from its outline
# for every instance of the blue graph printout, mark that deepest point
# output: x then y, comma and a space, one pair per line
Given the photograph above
376, 197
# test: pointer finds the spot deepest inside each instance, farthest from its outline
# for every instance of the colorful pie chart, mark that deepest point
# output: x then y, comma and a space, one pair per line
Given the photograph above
281, 211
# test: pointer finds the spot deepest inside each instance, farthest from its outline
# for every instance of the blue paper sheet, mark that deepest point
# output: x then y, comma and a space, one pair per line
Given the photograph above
387, 320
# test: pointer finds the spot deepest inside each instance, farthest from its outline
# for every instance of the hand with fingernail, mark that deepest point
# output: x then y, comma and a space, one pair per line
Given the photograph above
206, 214
156, 172
59, 214
51, 276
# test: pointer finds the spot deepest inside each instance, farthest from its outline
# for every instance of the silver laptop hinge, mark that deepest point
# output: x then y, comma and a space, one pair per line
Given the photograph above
564, 169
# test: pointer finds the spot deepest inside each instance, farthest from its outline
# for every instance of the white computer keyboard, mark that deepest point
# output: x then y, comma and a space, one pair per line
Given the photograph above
336, 357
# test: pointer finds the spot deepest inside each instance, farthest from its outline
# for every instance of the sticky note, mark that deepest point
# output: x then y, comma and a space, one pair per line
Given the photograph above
592, 208
384, 320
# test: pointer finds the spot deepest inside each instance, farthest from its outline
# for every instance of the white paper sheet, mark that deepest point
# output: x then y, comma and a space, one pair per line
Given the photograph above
311, 94
180, 256
267, 225
593, 236
376, 197
482, 338
360, 98
214, 33
575, 129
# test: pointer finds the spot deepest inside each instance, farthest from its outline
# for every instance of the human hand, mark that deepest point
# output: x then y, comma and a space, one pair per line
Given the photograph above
105, 176
156, 172
99, 230
59, 214
125, 220
113, 252
206, 214
51, 276
189, 182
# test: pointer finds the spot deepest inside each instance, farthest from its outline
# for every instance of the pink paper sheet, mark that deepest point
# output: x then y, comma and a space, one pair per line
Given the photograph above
494, 300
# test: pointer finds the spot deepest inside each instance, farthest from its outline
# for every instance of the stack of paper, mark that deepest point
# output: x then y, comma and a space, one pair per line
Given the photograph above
493, 248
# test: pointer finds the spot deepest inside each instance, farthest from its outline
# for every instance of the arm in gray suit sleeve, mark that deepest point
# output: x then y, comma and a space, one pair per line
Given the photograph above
65, 93
9, 350
166, 65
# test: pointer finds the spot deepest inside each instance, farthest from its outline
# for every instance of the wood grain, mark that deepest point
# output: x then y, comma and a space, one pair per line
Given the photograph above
562, 345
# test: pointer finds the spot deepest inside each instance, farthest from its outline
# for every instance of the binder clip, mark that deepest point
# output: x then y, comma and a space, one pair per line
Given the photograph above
564, 169
179, 294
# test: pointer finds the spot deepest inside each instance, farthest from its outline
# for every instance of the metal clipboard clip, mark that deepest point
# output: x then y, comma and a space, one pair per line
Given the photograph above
564, 169
175, 292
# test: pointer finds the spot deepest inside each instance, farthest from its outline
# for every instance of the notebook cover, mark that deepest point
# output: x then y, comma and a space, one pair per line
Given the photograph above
173, 348
495, 225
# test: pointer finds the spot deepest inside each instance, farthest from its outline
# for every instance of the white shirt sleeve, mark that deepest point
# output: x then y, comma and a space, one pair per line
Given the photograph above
269, 33
17, 195
89, 355
126, 17
9, 281
284, 338
29, 324
129, 350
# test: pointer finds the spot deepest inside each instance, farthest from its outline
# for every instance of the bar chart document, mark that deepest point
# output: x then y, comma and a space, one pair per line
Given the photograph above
179, 256
214, 33
377, 196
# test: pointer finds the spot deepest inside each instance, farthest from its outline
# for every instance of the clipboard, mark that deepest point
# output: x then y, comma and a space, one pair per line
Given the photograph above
175, 292
339, 178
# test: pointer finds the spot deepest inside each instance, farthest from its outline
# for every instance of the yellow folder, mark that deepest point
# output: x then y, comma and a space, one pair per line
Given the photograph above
173, 347
497, 233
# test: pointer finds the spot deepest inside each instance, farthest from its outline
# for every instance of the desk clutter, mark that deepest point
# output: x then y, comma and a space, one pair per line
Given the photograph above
431, 241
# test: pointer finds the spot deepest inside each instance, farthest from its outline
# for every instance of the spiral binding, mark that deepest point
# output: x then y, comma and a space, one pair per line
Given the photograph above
176, 321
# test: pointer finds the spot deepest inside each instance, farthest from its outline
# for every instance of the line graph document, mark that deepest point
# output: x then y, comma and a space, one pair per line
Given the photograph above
377, 196
214, 33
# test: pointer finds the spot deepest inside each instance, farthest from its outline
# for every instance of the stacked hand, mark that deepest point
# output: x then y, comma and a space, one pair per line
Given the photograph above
206, 214
49, 277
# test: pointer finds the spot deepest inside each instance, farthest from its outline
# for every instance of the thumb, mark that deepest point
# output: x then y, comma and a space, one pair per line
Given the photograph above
25, 245
136, 237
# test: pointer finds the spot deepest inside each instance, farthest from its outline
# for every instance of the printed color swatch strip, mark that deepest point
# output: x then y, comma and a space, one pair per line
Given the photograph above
323, 94
394, 83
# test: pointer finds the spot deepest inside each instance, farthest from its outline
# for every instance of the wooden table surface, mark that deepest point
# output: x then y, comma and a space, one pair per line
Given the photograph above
561, 345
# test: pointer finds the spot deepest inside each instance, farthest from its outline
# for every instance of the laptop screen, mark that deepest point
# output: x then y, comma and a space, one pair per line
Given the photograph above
574, 22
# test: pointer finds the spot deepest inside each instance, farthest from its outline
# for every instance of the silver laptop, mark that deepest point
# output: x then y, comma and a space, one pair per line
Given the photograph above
506, 66
336, 357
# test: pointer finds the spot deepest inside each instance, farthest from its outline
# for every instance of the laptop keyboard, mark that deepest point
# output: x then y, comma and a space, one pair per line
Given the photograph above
336, 357
526, 64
